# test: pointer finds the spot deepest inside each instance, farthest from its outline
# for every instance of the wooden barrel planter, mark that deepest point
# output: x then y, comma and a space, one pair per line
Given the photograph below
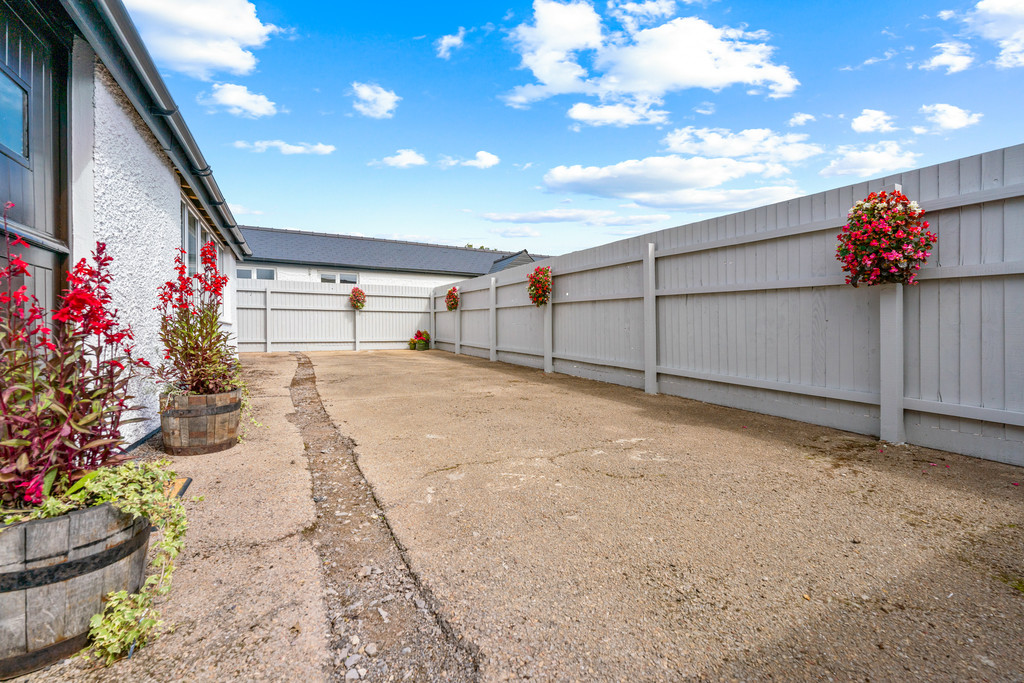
193, 425
54, 574
421, 346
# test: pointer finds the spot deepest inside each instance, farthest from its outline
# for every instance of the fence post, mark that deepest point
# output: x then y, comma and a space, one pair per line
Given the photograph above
549, 332
891, 425
458, 329
355, 327
433, 321
266, 319
494, 319
650, 323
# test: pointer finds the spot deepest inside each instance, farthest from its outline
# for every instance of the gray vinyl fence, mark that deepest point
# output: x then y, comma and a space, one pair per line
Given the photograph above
275, 315
750, 310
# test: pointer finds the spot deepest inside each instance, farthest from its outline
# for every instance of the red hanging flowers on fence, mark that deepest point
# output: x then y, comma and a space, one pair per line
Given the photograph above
357, 298
540, 285
451, 299
884, 240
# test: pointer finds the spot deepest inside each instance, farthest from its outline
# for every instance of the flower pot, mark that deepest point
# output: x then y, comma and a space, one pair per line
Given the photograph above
54, 574
193, 425
421, 346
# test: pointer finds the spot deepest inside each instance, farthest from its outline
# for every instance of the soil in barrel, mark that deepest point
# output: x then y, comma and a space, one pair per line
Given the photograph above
383, 621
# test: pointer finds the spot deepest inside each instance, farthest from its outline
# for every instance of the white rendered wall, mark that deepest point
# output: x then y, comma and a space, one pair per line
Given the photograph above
127, 195
291, 273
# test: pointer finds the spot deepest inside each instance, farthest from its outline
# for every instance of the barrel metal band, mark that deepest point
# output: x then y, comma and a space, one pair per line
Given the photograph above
43, 576
201, 411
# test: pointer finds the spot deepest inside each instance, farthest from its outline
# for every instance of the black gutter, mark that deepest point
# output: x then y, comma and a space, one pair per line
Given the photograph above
106, 26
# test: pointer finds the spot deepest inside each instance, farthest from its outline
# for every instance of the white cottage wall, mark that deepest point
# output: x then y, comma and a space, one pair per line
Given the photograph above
136, 212
292, 273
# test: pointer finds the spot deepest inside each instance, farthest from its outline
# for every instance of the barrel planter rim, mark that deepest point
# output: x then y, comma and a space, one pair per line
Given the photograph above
42, 579
185, 422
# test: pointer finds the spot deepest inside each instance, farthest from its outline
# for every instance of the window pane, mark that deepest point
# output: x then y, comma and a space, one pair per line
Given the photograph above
193, 244
347, 278
244, 273
13, 107
328, 277
264, 273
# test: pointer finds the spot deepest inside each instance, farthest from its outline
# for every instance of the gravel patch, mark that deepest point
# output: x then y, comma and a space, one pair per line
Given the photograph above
574, 530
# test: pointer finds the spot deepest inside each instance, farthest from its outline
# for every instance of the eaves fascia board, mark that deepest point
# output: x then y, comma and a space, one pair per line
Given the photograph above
349, 266
106, 26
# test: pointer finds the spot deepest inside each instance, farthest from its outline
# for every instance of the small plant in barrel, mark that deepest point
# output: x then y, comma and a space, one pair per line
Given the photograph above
451, 299
884, 240
420, 341
63, 401
200, 370
539, 287
357, 299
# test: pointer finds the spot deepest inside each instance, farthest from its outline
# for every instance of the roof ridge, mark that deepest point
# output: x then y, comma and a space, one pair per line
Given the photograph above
375, 239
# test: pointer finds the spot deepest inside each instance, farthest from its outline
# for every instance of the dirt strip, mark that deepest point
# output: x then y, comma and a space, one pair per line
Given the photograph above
575, 530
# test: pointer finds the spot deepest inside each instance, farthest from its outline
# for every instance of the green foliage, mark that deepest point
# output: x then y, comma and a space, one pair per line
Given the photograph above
139, 489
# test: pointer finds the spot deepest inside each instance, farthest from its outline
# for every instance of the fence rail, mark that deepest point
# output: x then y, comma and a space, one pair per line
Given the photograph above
305, 316
751, 310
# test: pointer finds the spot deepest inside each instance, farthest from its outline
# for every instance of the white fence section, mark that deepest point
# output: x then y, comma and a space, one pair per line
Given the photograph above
309, 316
750, 310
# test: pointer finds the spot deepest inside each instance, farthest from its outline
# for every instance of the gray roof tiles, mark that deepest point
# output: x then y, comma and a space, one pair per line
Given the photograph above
347, 251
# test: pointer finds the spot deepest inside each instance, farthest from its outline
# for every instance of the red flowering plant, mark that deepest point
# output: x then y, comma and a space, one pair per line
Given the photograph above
65, 373
451, 299
540, 285
198, 358
420, 336
884, 240
357, 298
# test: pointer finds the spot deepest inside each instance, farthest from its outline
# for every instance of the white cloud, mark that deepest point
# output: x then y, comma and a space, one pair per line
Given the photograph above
949, 117
953, 55
481, 160
642, 65
445, 44
632, 15
240, 210
868, 160
670, 182
705, 108
403, 158
1001, 21
872, 121
799, 119
886, 56
201, 37
286, 147
597, 217
754, 144
519, 231
238, 101
374, 101
621, 114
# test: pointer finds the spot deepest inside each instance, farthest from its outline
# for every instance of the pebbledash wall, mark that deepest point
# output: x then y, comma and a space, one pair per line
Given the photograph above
750, 310
125, 193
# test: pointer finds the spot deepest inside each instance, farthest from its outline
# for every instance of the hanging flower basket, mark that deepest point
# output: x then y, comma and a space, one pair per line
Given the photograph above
451, 299
357, 298
540, 285
884, 240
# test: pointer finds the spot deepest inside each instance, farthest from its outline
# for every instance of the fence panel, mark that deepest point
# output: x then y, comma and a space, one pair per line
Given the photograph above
311, 316
750, 310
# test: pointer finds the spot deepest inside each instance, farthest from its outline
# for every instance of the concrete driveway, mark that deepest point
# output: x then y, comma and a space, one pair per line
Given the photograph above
574, 530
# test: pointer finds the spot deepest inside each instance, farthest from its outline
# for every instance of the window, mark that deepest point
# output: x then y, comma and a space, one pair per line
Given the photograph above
256, 273
13, 115
192, 245
339, 278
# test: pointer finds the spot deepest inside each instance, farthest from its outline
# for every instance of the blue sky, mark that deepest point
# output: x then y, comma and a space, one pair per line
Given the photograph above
554, 126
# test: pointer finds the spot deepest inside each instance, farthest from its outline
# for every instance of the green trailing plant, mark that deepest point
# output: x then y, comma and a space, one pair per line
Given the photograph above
129, 620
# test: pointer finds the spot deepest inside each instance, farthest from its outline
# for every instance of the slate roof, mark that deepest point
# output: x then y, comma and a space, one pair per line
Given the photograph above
517, 259
346, 251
